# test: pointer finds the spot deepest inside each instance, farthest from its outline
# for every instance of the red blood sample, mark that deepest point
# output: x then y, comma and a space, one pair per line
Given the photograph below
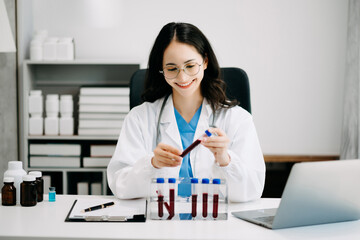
191, 147
172, 202
205, 204
160, 205
193, 205
215, 205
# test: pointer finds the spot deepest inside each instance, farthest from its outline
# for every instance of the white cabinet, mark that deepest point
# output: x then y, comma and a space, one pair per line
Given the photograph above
66, 77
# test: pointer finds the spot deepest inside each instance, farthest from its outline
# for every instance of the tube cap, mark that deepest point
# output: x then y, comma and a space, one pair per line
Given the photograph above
160, 180
208, 133
172, 180
216, 181
51, 188
194, 180
205, 181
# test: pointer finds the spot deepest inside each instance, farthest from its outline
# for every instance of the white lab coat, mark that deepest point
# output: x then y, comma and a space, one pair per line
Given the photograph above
130, 170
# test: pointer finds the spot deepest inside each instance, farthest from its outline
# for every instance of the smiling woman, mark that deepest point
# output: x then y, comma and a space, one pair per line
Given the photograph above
184, 95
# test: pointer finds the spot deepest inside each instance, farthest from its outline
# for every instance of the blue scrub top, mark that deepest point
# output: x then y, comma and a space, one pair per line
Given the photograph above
187, 132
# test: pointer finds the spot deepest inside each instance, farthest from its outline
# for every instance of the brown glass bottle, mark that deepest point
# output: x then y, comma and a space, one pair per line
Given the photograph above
28, 191
8, 192
39, 184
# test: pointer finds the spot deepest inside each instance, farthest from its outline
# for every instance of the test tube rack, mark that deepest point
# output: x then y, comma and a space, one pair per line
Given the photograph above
208, 201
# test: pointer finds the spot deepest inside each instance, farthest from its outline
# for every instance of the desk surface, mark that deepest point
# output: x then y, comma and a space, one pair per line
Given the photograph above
46, 221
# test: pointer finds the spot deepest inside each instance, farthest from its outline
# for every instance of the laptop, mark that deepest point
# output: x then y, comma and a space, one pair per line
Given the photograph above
315, 193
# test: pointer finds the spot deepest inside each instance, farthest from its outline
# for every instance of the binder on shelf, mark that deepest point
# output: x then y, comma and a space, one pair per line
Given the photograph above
55, 149
96, 161
122, 91
99, 131
82, 188
83, 123
121, 211
105, 116
103, 108
123, 100
95, 188
54, 161
102, 150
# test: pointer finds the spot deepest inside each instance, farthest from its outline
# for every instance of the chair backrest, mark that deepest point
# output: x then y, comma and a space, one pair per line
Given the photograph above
237, 86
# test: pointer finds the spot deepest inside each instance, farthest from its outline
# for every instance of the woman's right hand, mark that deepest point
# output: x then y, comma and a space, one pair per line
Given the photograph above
166, 156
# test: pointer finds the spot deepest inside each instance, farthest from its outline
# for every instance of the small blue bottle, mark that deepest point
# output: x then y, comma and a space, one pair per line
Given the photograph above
52, 194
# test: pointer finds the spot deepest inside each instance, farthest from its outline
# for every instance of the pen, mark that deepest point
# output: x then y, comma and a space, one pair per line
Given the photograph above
105, 205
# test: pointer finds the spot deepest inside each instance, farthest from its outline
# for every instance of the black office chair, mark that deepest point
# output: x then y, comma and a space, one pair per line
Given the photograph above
237, 86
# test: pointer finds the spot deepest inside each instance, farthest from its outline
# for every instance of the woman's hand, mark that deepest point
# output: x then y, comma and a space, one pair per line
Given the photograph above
218, 145
166, 156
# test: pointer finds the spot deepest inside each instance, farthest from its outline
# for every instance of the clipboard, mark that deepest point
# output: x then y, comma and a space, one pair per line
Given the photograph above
122, 210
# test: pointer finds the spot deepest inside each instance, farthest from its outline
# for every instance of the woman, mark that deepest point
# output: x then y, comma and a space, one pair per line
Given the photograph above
184, 96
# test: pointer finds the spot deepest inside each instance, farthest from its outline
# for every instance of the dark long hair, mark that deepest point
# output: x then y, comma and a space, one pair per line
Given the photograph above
212, 86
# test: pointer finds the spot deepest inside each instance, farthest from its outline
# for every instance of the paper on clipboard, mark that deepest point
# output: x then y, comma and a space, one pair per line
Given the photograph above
122, 210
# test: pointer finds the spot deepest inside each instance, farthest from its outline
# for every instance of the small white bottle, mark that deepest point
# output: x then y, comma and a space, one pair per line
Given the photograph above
65, 49
15, 170
52, 114
36, 49
66, 112
49, 49
36, 121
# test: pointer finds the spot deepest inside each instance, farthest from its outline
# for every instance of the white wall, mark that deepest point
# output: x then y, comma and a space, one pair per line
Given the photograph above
292, 50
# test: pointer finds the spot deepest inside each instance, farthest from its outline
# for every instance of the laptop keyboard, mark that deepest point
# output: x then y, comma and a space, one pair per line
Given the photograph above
267, 219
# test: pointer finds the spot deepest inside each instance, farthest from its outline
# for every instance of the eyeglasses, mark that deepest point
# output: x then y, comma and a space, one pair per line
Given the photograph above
191, 69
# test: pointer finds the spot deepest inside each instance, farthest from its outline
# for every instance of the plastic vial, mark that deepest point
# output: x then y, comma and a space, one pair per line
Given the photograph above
52, 114
205, 194
172, 182
216, 183
8, 192
52, 194
15, 170
194, 196
195, 143
160, 192
66, 126
28, 195
39, 185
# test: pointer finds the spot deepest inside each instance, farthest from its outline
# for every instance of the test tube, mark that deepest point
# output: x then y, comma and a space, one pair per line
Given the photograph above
205, 190
216, 183
172, 182
195, 143
160, 192
194, 195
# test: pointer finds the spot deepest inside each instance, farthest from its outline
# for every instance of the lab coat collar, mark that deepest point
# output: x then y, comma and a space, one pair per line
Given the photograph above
168, 121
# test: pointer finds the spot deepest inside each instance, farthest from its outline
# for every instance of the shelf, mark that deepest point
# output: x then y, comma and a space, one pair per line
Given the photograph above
67, 77
86, 62
76, 137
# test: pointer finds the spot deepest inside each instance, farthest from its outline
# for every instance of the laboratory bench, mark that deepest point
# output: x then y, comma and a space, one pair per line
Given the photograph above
46, 220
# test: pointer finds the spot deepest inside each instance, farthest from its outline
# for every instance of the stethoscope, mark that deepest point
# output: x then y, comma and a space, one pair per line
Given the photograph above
212, 124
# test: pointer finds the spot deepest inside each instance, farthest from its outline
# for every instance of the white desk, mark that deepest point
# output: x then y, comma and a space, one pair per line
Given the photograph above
46, 221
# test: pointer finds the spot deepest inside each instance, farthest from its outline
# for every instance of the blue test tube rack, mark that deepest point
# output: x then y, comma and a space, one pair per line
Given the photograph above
208, 199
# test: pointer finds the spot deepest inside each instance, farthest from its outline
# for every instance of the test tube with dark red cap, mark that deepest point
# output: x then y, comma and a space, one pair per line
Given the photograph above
160, 192
205, 194
216, 182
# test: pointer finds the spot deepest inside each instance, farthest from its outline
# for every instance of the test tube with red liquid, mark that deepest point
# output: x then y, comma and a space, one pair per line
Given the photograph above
160, 192
216, 183
195, 143
172, 182
194, 196
205, 194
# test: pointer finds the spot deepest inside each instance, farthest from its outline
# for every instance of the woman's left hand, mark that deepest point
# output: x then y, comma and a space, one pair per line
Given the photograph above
218, 145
